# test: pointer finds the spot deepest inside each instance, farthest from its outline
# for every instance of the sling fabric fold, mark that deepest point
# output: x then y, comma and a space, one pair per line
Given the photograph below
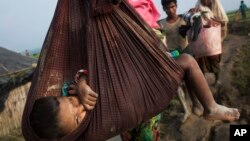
135, 80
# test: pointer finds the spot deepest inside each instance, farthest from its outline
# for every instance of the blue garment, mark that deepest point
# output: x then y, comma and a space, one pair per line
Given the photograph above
243, 7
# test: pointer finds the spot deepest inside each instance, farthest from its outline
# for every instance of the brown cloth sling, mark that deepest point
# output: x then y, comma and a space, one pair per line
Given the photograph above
135, 80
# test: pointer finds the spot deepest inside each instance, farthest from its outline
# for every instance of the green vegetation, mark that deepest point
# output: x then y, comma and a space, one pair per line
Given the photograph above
241, 71
35, 55
232, 16
240, 26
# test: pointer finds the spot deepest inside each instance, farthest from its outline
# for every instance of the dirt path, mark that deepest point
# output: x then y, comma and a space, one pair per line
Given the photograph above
230, 47
226, 94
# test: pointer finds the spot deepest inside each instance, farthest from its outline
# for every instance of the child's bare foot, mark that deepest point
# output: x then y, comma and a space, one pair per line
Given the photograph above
223, 113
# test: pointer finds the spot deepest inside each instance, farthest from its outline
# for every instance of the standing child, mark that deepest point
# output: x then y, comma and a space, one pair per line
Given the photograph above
171, 26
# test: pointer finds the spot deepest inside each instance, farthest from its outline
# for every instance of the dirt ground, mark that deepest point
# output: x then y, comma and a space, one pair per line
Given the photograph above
232, 96
230, 46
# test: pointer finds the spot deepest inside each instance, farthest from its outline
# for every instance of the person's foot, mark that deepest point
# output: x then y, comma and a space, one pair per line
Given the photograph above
222, 113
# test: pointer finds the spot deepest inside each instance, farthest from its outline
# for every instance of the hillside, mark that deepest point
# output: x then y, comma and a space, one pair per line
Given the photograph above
11, 63
15, 69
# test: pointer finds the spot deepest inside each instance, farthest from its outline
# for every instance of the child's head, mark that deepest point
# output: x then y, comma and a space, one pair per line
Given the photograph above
54, 117
169, 6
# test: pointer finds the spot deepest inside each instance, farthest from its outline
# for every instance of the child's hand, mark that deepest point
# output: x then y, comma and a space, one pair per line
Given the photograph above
87, 96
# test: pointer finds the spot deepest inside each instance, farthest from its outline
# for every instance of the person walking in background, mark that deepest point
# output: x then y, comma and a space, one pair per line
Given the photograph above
243, 9
27, 53
219, 13
207, 49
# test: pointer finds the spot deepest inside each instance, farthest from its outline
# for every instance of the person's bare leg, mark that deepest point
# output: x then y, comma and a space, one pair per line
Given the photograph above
195, 80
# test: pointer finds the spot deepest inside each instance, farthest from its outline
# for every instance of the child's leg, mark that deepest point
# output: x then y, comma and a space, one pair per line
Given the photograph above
195, 80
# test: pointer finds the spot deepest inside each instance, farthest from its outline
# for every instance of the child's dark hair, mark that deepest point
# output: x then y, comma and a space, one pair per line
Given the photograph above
164, 3
43, 118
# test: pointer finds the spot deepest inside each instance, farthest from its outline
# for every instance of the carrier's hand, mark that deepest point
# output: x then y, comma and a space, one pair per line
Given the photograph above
218, 21
214, 22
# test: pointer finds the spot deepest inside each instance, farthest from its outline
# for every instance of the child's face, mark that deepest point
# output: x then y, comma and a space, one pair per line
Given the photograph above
71, 113
171, 9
